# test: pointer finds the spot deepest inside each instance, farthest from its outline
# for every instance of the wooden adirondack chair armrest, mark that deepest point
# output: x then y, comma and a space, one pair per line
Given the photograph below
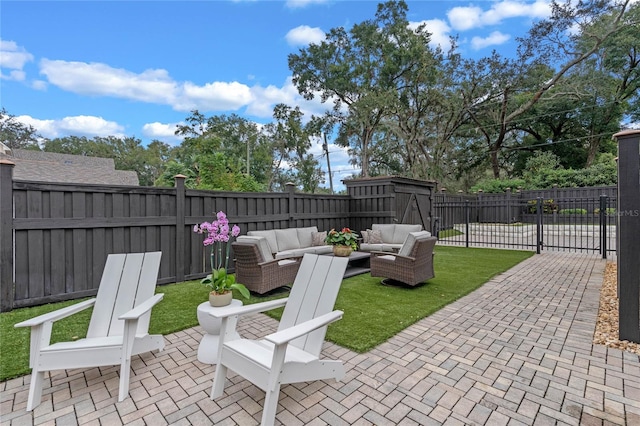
285, 336
142, 308
56, 315
229, 311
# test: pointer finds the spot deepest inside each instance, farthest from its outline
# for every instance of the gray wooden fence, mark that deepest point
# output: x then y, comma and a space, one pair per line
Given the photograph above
54, 238
629, 234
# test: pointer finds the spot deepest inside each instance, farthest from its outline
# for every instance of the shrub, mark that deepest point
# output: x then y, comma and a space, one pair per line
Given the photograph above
548, 206
495, 186
610, 211
573, 211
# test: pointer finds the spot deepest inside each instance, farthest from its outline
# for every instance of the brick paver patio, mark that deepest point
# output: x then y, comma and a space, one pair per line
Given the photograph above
516, 351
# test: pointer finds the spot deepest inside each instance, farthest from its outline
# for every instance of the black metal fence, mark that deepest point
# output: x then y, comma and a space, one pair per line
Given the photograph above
529, 220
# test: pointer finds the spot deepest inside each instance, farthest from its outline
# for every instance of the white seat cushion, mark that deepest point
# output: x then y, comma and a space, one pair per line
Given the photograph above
387, 257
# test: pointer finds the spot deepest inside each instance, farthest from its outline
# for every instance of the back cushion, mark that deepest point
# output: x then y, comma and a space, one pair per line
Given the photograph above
262, 243
287, 239
407, 246
401, 231
375, 237
304, 235
386, 229
318, 238
410, 241
270, 235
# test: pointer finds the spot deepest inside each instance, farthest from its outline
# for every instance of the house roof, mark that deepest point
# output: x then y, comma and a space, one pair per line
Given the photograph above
66, 168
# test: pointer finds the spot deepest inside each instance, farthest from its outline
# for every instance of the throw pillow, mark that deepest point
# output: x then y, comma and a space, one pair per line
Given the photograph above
375, 237
317, 238
365, 236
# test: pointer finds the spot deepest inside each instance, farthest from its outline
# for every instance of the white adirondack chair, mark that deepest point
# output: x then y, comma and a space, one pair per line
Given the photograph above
119, 326
292, 354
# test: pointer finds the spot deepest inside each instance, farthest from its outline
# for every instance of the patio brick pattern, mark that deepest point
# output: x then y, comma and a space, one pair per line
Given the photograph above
517, 351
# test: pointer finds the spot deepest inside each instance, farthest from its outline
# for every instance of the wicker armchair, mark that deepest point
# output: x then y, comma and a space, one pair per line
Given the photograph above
412, 265
261, 276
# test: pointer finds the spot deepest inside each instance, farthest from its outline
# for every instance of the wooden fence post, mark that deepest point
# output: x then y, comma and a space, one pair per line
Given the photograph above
628, 232
180, 237
291, 190
7, 291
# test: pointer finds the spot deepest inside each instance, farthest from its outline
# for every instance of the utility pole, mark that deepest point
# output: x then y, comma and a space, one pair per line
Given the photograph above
248, 156
326, 150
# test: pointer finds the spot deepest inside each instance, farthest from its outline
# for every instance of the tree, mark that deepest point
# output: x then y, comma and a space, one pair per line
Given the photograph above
228, 144
616, 69
15, 134
173, 168
501, 91
290, 140
428, 112
358, 71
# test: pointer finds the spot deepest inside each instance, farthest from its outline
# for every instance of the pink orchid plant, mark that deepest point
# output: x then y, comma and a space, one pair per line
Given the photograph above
218, 235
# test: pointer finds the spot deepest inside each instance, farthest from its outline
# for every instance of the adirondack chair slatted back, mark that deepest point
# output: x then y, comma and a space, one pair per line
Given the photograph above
127, 280
313, 293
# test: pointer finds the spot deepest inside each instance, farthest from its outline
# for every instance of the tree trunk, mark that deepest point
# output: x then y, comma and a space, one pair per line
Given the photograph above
495, 165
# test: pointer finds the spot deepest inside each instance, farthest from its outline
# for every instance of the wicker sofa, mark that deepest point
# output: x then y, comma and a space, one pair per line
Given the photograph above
412, 265
393, 236
292, 242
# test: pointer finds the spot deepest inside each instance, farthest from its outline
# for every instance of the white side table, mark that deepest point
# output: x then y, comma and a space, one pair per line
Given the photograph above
208, 348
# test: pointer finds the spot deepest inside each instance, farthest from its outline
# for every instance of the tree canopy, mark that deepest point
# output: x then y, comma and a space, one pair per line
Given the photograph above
402, 107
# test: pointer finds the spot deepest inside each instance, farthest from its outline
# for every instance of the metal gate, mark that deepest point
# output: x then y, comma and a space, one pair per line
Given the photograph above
568, 224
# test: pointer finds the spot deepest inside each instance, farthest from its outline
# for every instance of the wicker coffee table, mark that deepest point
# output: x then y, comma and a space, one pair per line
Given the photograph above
358, 263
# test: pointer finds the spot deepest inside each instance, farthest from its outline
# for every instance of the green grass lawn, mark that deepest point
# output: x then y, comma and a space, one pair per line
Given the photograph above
446, 233
372, 312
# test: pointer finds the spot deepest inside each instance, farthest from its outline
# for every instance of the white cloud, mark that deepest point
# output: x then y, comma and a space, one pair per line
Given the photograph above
495, 38
216, 96
102, 80
465, 18
162, 131
468, 17
80, 125
17, 75
265, 98
13, 58
157, 87
439, 31
39, 85
298, 4
304, 35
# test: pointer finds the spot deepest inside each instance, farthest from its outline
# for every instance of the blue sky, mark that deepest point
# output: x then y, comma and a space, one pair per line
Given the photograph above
137, 68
